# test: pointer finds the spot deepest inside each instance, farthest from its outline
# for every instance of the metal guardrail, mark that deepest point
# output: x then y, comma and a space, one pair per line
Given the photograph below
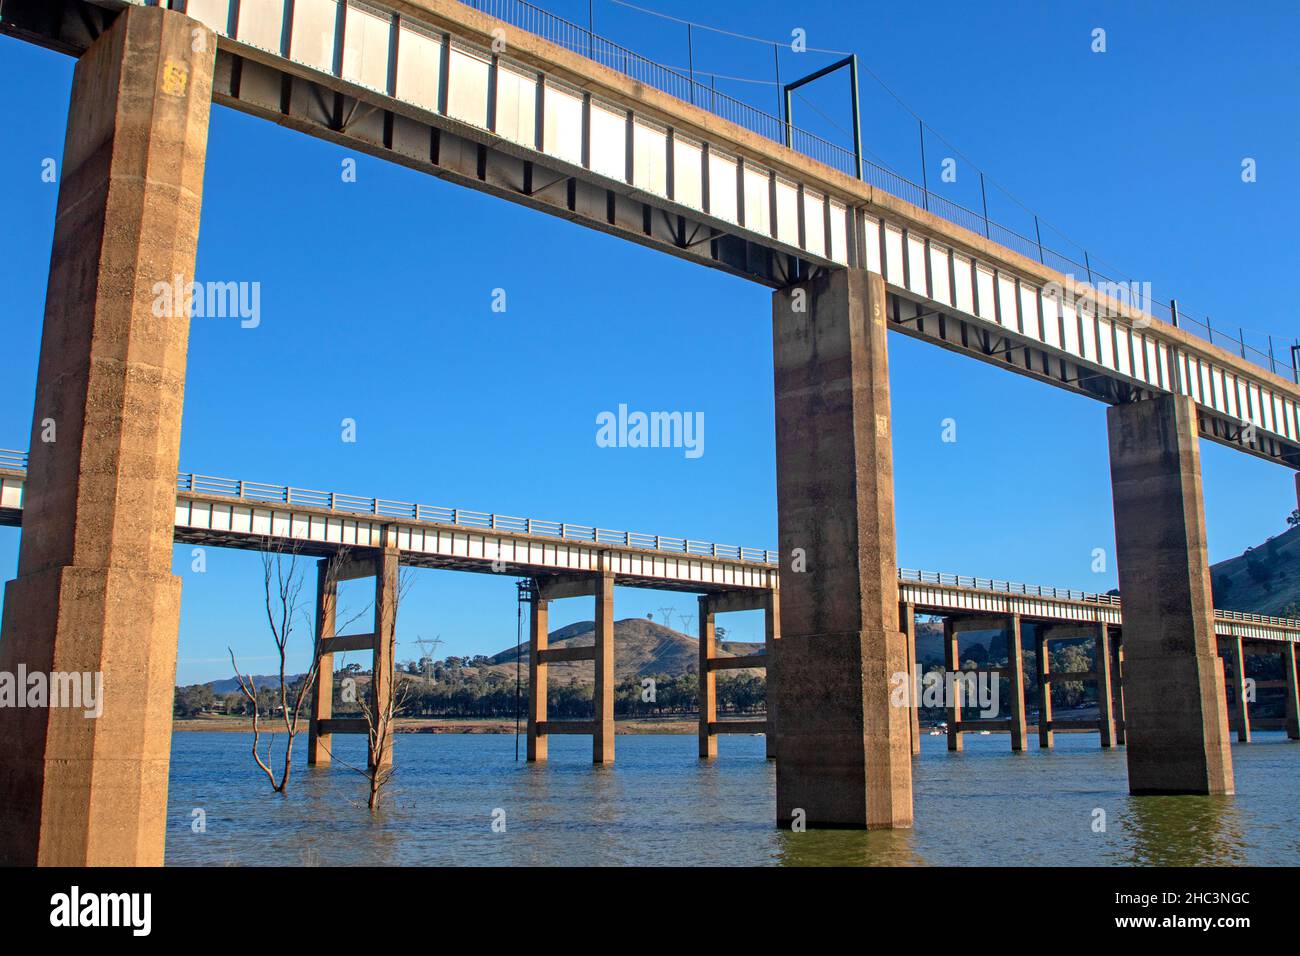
258, 492
13, 460
580, 40
994, 586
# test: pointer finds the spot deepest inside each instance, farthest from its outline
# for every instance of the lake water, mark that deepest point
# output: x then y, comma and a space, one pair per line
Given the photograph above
660, 805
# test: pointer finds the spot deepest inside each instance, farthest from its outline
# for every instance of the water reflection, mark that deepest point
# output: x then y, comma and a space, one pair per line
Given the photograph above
1184, 831
661, 805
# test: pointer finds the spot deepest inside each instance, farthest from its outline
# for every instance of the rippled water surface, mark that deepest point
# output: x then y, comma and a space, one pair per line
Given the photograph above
659, 804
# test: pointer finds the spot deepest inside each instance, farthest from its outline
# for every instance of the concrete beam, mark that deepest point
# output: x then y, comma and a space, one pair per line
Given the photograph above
348, 642
560, 586
725, 602
738, 663
843, 751
1177, 724
558, 655
94, 592
738, 727
344, 725
578, 728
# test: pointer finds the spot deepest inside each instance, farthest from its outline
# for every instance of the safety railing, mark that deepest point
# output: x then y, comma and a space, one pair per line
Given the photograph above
259, 493
1246, 617
941, 579
13, 460
580, 40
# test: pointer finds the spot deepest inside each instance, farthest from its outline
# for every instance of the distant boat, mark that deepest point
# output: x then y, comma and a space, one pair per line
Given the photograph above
936, 732
984, 733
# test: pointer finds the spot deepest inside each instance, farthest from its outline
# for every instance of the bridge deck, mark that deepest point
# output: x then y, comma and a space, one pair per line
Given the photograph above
247, 515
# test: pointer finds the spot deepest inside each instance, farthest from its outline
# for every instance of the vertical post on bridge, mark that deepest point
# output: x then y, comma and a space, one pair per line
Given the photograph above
1164, 577
322, 694
538, 641
1016, 662
1118, 678
1105, 692
843, 749
94, 593
602, 741
953, 685
708, 681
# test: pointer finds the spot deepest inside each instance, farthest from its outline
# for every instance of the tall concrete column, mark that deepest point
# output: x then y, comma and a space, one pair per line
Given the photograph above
538, 641
771, 634
952, 681
322, 692
602, 741
844, 752
1177, 724
907, 618
1105, 693
1240, 705
708, 682
1292, 693
383, 673
1046, 738
94, 593
1016, 664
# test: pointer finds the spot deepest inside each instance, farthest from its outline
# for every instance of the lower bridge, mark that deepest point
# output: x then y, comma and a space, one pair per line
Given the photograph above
358, 536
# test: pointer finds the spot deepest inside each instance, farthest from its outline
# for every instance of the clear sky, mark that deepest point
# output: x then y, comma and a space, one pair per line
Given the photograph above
376, 304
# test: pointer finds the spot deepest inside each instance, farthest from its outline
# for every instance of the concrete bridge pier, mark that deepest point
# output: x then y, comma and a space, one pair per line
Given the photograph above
382, 565
1101, 658
907, 620
94, 593
1016, 669
1177, 734
1240, 706
710, 606
322, 692
601, 653
952, 665
1292, 692
1046, 738
843, 755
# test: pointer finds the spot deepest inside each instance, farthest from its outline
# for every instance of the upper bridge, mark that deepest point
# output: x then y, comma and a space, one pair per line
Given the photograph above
578, 127
228, 512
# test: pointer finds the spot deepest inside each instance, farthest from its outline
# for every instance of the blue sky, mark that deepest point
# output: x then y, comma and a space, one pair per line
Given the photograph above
377, 294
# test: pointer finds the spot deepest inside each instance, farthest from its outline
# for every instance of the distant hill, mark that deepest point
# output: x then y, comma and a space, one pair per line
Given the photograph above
1264, 580
642, 648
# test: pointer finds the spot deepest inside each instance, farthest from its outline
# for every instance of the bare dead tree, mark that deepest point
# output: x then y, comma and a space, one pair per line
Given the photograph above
381, 715
283, 579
